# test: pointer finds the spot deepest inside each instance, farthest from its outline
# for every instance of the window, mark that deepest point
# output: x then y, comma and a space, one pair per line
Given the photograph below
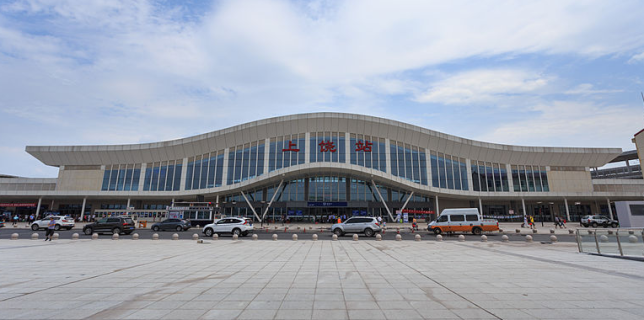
457, 218
471, 217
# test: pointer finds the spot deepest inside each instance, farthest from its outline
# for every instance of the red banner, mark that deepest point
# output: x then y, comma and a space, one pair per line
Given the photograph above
17, 204
419, 211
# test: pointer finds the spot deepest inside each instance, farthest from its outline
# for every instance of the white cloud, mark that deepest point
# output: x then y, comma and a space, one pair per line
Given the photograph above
478, 86
587, 89
637, 58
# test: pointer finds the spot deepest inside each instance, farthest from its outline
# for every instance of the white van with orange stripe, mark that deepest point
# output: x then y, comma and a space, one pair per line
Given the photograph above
462, 220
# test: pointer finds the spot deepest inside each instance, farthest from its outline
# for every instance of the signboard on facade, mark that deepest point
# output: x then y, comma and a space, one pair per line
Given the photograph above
17, 204
326, 204
418, 211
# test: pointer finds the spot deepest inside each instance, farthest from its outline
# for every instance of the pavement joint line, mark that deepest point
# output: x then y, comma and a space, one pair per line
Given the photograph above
567, 264
437, 282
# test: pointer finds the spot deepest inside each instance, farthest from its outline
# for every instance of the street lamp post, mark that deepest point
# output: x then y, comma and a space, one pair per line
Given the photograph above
233, 207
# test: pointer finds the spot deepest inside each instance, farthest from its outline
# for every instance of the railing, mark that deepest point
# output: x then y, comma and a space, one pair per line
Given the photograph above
613, 242
632, 172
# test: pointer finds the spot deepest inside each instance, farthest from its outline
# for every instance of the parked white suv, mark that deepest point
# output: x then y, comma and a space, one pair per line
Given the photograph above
239, 226
367, 225
64, 222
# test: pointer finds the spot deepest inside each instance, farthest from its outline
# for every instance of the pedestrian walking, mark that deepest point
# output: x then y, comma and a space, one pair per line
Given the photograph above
50, 229
531, 222
15, 219
525, 222
557, 224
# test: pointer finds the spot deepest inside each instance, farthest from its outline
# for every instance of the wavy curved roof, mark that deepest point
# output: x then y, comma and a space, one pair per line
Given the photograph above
317, 122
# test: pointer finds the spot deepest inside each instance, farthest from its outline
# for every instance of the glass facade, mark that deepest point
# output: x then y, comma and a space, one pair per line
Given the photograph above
369, 152
286, 151
124, 177
489, 177
245, 162
327, 147
530, 178
448, 172
204, 171
408, 162
163, 176
327, 188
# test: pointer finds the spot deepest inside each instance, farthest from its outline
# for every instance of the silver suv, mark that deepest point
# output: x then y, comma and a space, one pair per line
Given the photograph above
367, 225
233, 225
598, 220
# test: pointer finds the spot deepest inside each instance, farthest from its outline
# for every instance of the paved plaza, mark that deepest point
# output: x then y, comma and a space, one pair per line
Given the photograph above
366, 279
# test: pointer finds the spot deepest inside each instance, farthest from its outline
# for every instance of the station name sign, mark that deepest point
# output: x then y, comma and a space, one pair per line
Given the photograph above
329, 146
326, 204
17, 204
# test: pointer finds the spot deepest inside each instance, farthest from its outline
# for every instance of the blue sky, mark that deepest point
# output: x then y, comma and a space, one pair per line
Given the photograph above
535, 73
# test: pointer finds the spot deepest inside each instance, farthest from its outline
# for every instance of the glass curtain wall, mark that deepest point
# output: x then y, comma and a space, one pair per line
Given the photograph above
489, 177
245, 162
408, 162
285, 151
327, 147
527, 178
124, 177
368, 151
205, 171
448, 172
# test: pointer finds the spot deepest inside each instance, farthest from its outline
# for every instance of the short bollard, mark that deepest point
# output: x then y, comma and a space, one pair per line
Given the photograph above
632, 239
552, 231
528, 238
314, 237
56, 236
355, 237
398, 237
175, 236
75, 236
155, 236
334, 237
553, 238
483, 238
254, 237
115, 236
603, 238
135, 236
417, 237
14, 236
235, 237
215, 236
461, 238
94, 236
505, 238
379, 237
518, 231
571, 231
274, 237
34, 236
534, 231
294, 237
439, 238
195, 237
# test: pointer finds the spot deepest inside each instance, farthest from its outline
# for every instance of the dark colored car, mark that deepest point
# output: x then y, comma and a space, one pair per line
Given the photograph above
114, 225
171, 224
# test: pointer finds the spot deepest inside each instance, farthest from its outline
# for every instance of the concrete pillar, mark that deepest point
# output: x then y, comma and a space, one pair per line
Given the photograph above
481, 208
437, 207
610, 210
83, 209
567, 210
38, 207
523, 205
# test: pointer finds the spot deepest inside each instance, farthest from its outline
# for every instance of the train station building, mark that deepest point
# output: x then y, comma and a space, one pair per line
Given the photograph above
319, 166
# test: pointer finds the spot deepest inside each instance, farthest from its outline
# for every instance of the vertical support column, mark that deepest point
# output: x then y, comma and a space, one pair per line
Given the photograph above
470, 182
51, 208
437, 207
428, 156
347, 147
610, 210
481, 207
523, 205
184, 173
38, 207
508, 169
307, 148
83, 208
267, 153
144, 166
388, 155
567, 210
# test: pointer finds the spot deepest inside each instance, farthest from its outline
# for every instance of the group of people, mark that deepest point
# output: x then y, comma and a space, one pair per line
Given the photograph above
528, 222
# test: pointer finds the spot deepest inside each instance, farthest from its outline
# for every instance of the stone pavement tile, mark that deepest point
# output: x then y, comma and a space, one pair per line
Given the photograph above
149, 314
547, 313
264, 304
329, 297
329, 304
297, 305
510, 314
231, 305
199, 304
221, 314
366, 314
362, 305
185, 314
338, 314
394, 305
166, 305
293, 314
112, 314
257, 314
457, 304
358, 297
402, 314
473, 314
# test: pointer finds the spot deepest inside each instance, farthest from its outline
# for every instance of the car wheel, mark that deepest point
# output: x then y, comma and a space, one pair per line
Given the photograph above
614, 225
155, 228
476, 231
437, 230
88, 231
34, 227
594, 225
237, 232
179, 228
57, 227
244, 234
338, 232
368, 232
116, 231
605, 225
208, 232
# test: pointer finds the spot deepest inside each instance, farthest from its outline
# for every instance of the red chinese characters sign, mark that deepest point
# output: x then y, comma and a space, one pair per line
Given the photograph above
363, 146
327, 146
291, 146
